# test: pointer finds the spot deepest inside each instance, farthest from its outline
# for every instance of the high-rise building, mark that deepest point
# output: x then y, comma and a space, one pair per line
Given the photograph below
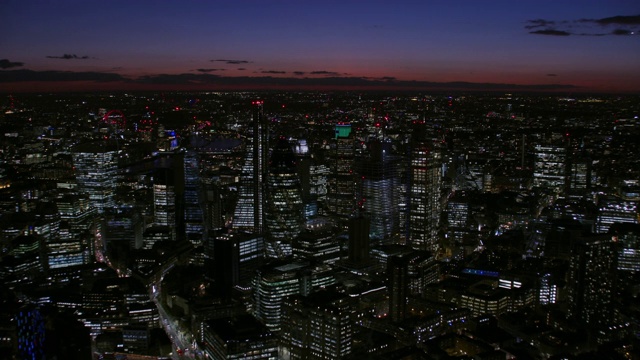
274, 282
592, 282
284, 210
627, 238
359, 243
318, 241
193, 213
425, 164
164, 199
549, 170
226, 264
613, 209
379, 190
341, 191
96, 167
318, 326
124, 224
249, 212
31, 333
398, 285
240, 337
168, 196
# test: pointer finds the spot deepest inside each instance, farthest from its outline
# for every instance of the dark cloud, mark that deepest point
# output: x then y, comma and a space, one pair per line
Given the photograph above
6, 64
208, 70
591, 34
242, 69
273, 72
619, 20
582, 27
324, 72
622, 32
552, 32
539, 23
232, 62
552, 74
69, 57
30, 75
299, 73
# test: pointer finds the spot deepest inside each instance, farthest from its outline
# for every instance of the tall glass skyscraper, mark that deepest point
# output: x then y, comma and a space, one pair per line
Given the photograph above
249, 213
193, 213
380, 191
96, 166
284, 209
424, 195
341, 192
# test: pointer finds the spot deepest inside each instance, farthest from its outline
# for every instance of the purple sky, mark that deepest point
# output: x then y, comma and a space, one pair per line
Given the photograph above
568, 46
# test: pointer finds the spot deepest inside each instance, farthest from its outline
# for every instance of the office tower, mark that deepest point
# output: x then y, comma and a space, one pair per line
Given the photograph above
423, 269
549, 169
249, 212
359, 243
580, 173
313, 181
241, 337
24, 259
613, 209
627, 239
193, 214
379, 190
226, 264
318, 181
274, 282
96, 165
124, 224
317, 241
592, 282
31, 333
341, 190
168, 196
283, 217
213, 215
232, 258
425, 164
398, 286
319, 326
458, 226
164, 200
548, 291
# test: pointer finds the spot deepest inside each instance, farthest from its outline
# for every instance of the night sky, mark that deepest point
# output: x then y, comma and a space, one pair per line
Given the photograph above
565, 46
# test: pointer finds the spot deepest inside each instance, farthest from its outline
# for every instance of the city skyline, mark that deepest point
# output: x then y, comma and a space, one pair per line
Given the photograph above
464, 45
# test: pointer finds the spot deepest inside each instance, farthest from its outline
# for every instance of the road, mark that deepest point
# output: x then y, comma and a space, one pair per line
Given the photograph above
184, 346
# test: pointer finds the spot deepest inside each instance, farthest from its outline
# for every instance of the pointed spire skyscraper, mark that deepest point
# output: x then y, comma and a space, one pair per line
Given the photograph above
249, 212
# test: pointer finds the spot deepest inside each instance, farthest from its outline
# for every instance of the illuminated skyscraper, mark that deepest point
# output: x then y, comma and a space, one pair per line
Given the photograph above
96, 166
341, 192
164, 199
613, 209
193, 213
379, 191
317, 326
592, 282
249, 212
549, 169
274, 282
284, 211
168, 196
424, 194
